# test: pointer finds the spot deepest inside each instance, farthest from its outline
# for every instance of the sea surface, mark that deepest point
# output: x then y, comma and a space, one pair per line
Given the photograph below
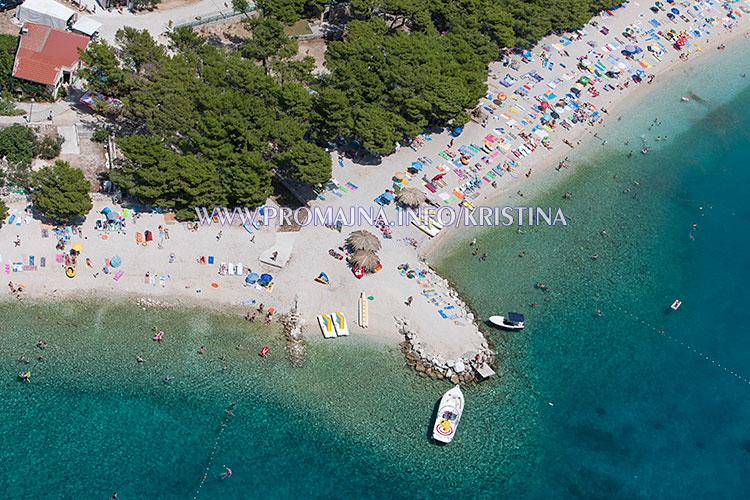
638, 402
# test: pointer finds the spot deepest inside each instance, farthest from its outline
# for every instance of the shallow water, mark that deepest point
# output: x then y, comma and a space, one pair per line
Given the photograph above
633, 414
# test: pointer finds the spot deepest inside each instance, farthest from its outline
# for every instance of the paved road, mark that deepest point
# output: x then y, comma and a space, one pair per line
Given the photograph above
158, 22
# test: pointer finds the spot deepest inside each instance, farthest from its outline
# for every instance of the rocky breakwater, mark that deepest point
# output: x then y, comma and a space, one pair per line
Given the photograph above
293, 333
460, 370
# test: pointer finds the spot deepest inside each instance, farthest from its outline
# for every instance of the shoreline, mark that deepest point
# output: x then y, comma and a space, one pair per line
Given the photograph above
583, 138
182, 277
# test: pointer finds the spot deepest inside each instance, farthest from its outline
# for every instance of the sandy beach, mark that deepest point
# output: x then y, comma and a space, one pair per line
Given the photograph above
176, 269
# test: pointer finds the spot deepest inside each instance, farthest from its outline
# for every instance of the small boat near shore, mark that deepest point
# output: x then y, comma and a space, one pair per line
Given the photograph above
448, 415
339, 324
513, 321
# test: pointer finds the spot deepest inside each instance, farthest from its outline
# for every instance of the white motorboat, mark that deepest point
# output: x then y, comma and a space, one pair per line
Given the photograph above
448, 415
513, 321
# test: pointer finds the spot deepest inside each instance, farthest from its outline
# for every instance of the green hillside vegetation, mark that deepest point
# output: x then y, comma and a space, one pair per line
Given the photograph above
206, 126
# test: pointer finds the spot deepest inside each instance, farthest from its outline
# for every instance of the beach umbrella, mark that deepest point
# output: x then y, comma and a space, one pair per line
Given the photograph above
77, 247
629, 48
501, 96
544, 104
681, 41
416, 165
115, 261
400, 175
388, 195
675, 11
584, 80
266, 278
251, 278
363, 240
113, 216
457, 131
438, 177
411, 197
498, 102
106, 210
365, 260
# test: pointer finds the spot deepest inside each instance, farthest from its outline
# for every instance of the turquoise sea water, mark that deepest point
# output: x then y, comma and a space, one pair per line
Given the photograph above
633, 413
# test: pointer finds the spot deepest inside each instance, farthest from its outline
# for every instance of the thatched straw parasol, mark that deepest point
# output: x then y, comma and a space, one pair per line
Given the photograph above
363, 240
364, 259
411, 197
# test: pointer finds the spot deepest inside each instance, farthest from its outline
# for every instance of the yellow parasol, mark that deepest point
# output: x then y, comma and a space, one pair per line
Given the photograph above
77, 247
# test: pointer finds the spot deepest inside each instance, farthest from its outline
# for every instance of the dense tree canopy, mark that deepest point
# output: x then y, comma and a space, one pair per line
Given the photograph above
17, 143
386, 84
205, 126
61, 192
212, 126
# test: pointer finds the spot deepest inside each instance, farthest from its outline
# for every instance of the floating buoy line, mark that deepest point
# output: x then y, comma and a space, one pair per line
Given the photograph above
687, 346
228, 414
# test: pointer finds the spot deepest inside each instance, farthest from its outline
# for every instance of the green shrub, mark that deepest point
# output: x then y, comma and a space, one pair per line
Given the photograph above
8, 108
101, 135
48, 147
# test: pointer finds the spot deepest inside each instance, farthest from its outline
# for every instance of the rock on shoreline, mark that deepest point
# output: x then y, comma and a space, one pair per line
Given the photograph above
461, 370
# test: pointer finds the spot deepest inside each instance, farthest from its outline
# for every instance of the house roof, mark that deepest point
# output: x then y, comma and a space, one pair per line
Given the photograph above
43, 51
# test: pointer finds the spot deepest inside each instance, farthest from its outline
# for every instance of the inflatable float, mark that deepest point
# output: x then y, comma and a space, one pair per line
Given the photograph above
322, 278
70, 272
264, 351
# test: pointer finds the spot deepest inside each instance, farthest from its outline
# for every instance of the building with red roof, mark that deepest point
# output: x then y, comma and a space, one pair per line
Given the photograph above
47, 55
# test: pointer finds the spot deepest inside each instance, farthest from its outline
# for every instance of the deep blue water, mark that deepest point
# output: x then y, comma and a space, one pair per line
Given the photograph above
636, 414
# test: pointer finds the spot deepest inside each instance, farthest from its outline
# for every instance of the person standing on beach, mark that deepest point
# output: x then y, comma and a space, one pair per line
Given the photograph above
409, 300
473, 242
218, 236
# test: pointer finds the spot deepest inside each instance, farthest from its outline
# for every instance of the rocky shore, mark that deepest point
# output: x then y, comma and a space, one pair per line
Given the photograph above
461, 370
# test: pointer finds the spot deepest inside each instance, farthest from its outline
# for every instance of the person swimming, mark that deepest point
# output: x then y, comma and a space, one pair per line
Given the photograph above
227, 473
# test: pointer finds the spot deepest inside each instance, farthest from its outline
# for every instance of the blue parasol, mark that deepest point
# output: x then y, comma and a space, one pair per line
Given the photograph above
251, 278
106, 210
416, 165
266, 277
115, 261
675, 11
